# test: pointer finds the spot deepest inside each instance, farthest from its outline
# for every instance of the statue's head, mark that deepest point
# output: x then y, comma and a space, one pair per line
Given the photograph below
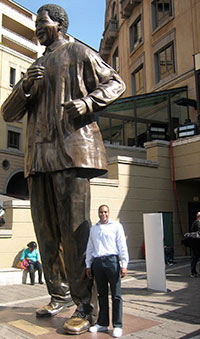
56, 13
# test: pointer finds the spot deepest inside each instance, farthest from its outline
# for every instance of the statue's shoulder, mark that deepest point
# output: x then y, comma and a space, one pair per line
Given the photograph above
80, 48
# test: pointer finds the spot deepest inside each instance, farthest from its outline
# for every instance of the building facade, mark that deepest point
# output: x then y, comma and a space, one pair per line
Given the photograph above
155, 47
152, 43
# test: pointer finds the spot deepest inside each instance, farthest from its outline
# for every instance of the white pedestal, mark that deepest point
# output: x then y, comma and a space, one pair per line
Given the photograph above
154, 251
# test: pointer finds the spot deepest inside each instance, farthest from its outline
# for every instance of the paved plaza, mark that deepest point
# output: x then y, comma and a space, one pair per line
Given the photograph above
147, 313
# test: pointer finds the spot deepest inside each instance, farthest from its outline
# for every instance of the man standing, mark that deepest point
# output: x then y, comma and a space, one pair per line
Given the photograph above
195, 248
64, 149
106, 244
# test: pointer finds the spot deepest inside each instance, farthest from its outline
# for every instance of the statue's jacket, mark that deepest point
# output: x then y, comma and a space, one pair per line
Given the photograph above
54, 141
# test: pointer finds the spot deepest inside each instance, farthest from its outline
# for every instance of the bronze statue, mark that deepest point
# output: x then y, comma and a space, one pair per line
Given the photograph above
60, 93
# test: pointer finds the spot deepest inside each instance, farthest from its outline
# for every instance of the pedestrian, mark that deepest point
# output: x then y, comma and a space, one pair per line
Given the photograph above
2, 215
31, 255
60, 92
195, 246
106, 246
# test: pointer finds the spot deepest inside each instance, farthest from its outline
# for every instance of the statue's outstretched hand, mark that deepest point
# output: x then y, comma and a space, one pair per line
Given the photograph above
34, 73
75, 108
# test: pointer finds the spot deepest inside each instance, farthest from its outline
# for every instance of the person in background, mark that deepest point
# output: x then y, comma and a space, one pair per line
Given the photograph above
2, 215
106, 245
32, 256
195, 250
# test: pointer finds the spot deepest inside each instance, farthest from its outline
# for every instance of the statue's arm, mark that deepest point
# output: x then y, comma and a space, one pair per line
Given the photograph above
104, 85
15, 106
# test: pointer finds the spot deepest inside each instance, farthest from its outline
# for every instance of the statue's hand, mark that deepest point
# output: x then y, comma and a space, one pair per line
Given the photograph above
75, 107
34, 73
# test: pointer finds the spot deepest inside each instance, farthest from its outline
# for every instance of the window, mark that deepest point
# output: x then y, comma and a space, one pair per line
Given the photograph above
115, 60
135, 33
165, 62
138, 81
161, 11
114, 11
13, 139
12, 76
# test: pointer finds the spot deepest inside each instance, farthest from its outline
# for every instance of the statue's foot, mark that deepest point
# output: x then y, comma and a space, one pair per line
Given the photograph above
53, 308
77, 324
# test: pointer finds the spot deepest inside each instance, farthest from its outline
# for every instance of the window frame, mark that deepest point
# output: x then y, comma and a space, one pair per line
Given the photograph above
157, 23
134, 39
18, 132
161, 75
115, 59
12, 80
133, 80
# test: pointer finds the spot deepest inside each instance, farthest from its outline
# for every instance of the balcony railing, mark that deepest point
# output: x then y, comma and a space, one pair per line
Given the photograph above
110, 33
127, 6
103, 51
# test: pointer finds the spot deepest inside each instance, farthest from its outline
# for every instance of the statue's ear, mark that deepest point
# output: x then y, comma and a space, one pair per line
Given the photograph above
60, 25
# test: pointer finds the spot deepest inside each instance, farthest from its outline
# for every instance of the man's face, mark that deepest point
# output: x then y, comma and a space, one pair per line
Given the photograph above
104, 214
46, 29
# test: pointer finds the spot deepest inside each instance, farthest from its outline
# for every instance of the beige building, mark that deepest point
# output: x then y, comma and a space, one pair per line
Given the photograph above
18, 49
152, 43
155, 47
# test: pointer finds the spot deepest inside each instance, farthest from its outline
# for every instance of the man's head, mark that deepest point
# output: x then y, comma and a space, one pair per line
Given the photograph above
104, 214
56, 13
198, 215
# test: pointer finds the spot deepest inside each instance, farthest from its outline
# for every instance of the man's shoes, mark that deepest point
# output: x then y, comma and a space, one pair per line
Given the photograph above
98, 328
53, 308
193, 275
41, 282
117, 332
77, 324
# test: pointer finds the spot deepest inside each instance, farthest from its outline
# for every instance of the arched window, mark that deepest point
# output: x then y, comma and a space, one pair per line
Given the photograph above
114, 11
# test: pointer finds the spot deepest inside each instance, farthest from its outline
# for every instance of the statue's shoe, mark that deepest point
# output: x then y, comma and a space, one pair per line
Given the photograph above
77, 324
53, 308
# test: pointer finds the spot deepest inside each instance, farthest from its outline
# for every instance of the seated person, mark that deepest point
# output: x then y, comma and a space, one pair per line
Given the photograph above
32, 256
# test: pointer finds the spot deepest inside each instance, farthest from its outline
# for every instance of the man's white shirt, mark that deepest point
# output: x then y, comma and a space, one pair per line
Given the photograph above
107, 239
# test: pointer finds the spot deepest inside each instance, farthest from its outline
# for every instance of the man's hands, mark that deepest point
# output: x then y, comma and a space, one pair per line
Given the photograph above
89, 273
123, 272
34, 73
75, 108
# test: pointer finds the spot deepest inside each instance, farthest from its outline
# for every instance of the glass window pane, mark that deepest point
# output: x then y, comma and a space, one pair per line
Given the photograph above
166, 62
117, 132
153, 109
163, 10
138, 81
104, 126
179, 113
135, 34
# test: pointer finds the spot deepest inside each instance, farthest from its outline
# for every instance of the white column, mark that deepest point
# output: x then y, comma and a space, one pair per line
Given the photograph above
154, 251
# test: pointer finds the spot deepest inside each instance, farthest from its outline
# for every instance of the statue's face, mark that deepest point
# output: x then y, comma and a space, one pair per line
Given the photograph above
47, 30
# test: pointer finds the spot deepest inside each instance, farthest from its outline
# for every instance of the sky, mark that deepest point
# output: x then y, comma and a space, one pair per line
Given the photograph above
86, 17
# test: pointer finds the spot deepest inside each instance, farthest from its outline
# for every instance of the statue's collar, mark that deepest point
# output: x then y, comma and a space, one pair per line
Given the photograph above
54, 46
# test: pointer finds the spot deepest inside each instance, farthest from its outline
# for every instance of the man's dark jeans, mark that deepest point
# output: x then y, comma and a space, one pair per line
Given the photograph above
106, 271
